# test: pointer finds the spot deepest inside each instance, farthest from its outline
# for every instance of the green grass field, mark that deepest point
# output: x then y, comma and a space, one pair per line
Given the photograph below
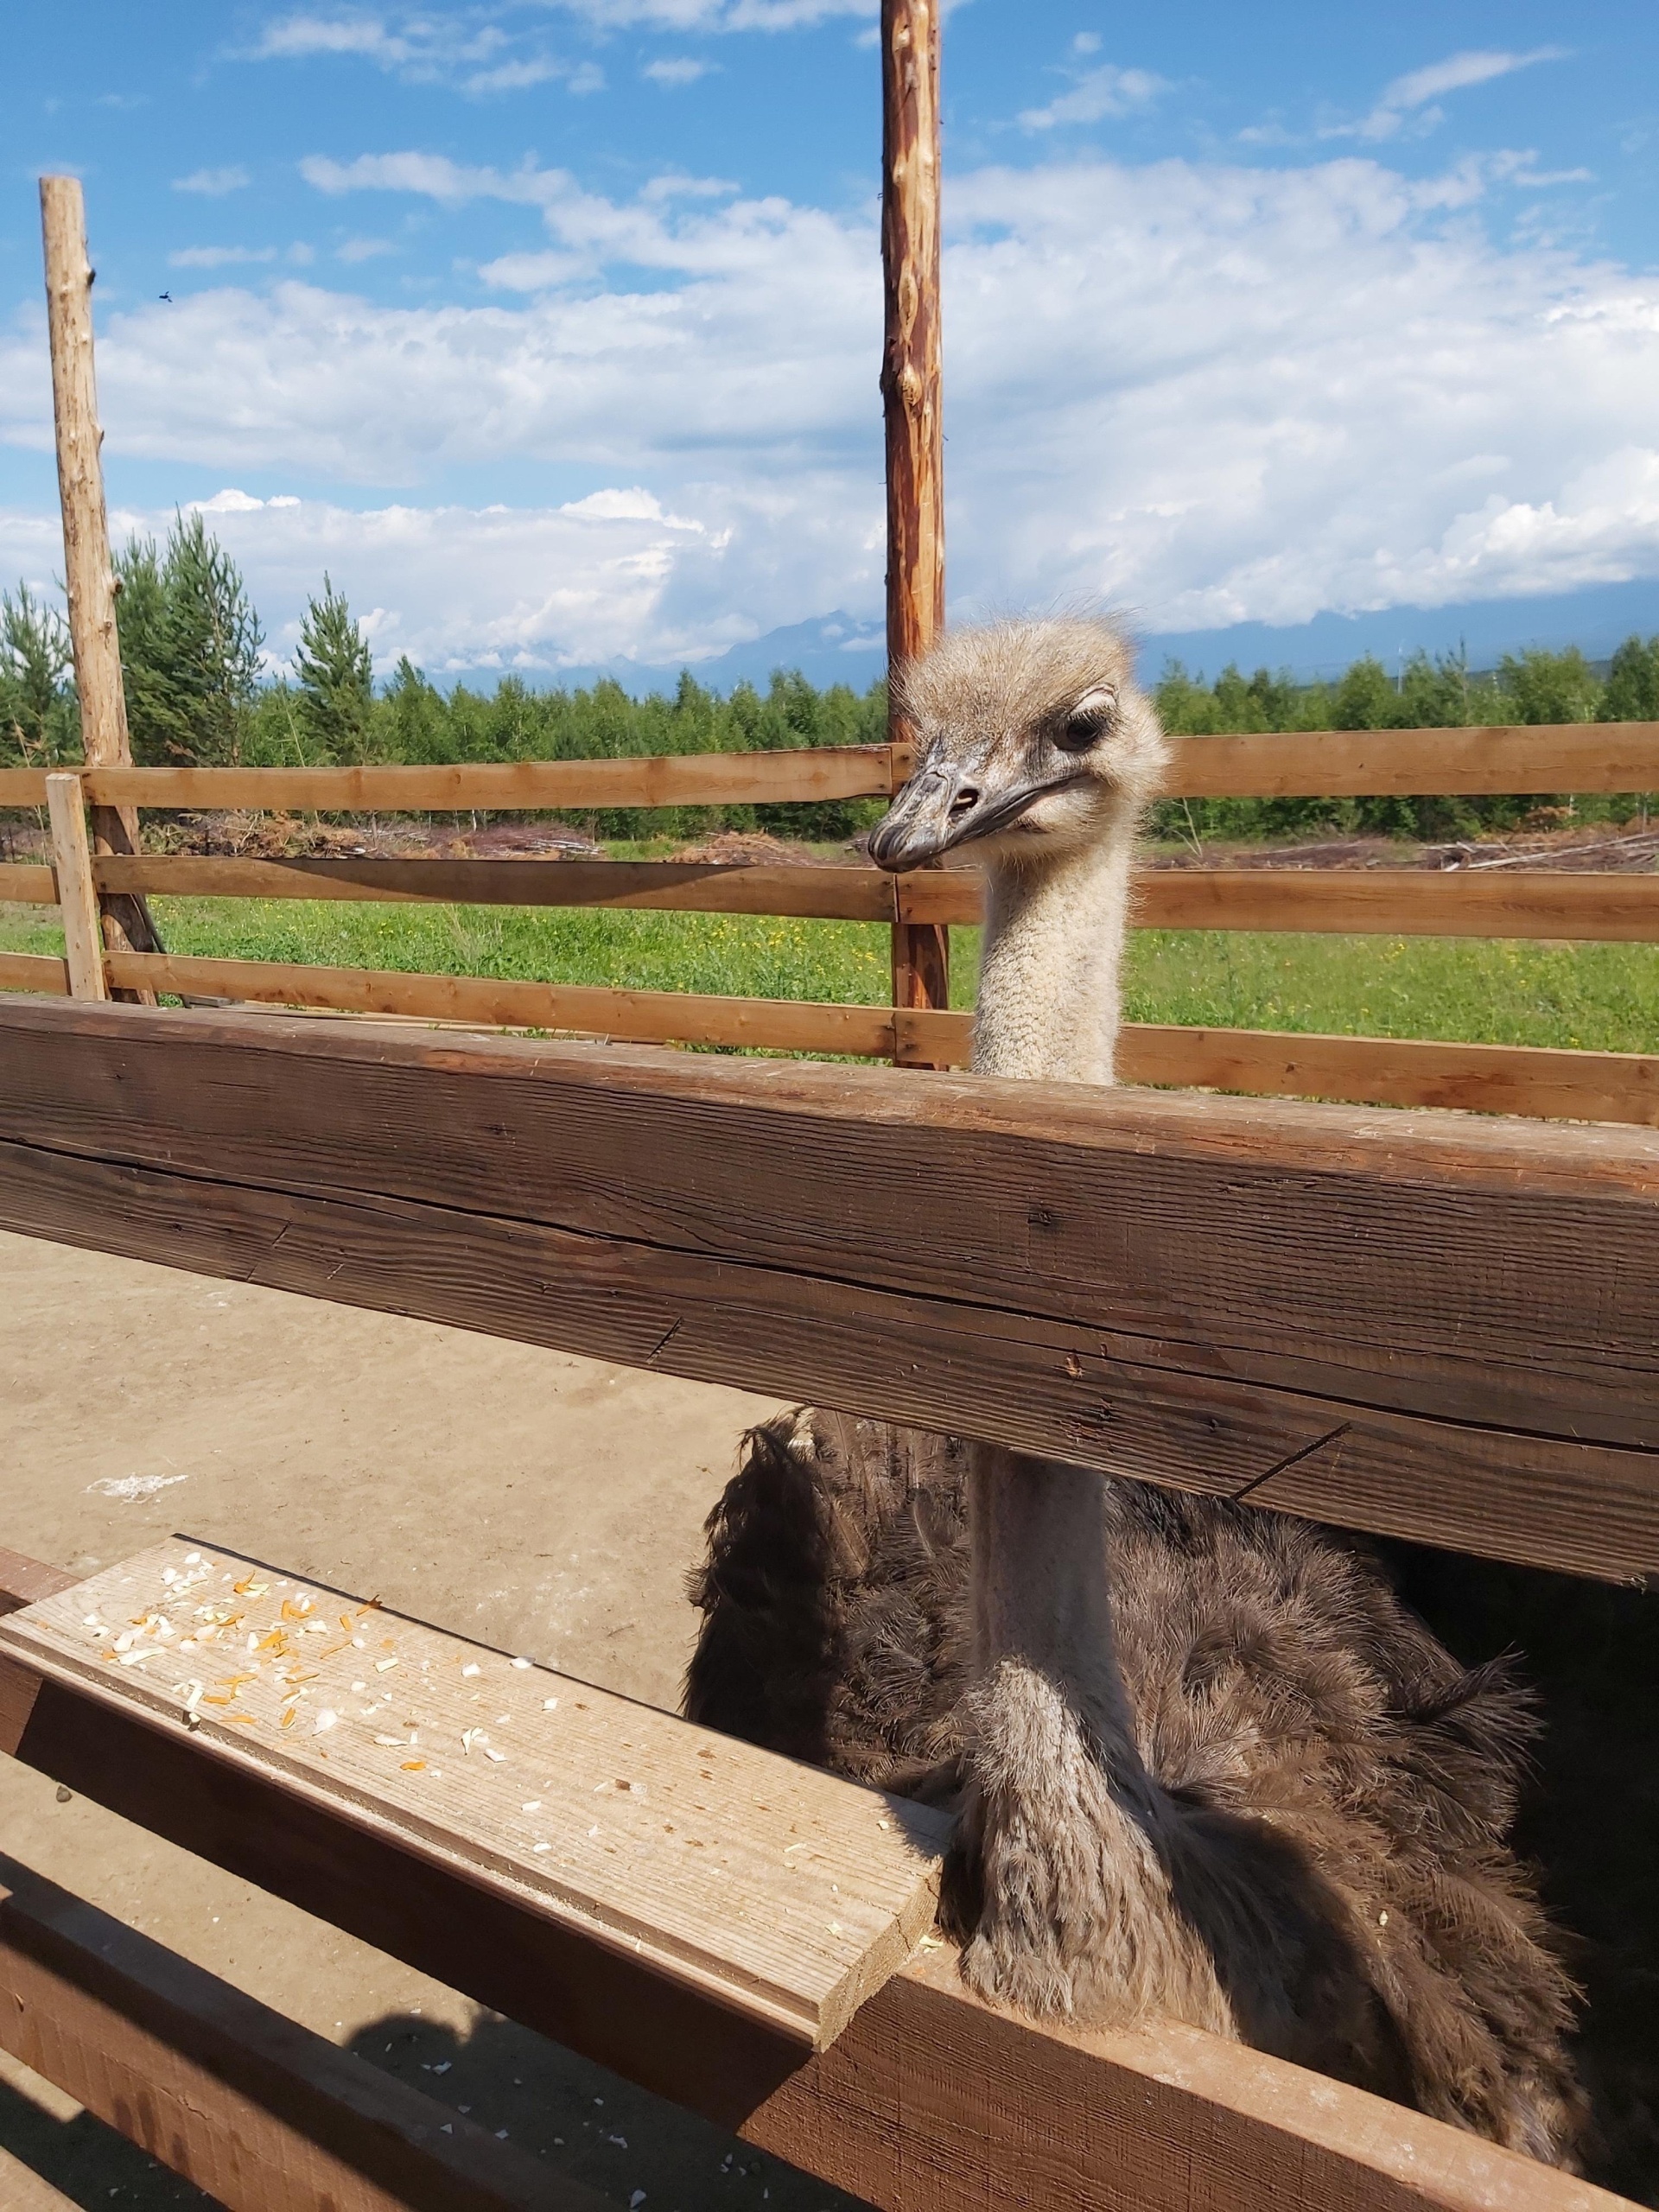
1602, 997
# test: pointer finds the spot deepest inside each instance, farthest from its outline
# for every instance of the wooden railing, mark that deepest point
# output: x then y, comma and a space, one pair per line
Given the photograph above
1399, 1324
1514, 902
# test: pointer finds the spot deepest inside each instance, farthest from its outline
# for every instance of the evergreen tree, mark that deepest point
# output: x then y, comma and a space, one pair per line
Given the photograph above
140, 607
190, 648
336, 673
1631, 692
40, 726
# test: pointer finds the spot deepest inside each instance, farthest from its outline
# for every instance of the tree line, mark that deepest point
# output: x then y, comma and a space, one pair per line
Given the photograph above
199, 692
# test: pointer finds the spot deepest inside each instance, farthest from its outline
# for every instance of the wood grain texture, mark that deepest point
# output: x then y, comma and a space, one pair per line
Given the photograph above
1534, 1082
36, 972
928, 2102
854, 894
774, 1890
71, 854
912, 382
1601, 757
89, 576
1127, 1283
1402, 902
1375, 763
674, 779
596, 1010
254, 2109
27, 885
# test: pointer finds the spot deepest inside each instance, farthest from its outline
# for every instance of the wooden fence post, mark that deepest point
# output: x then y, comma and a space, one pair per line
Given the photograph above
910, 392
88, 574
71, 856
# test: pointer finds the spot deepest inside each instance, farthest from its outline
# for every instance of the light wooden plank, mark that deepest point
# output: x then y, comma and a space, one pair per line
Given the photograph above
858, 895
1403, 902
1129, 1289
1376, 763
929, 2101
779, 1891
681, 1017
35, 971
1605, 757
83, 933
673, 779
1536, 1083
1519, 1079
36, 887
260, 2113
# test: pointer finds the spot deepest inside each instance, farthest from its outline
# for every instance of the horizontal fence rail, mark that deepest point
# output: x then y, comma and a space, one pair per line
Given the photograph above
1130, 1289
1539, 903
1384, 1070
1514, 902
1587, 757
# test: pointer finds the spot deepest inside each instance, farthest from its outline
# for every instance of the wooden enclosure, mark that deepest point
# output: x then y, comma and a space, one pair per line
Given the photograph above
917, 1028
1131, 1288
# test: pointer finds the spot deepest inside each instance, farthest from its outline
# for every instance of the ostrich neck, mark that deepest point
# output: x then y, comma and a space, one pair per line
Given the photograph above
1048, 977
1048, 1010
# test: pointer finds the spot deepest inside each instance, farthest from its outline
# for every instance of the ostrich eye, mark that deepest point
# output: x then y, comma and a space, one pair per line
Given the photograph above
1088, 722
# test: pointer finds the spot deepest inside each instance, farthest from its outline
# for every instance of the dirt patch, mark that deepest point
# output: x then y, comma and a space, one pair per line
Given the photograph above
747, 848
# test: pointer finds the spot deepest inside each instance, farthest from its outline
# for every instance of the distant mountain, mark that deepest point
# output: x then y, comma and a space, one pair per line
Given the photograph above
840, 648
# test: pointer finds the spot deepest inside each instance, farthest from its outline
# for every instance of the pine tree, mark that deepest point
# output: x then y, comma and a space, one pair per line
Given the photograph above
190, 648
336, 673
40, 725
140, 607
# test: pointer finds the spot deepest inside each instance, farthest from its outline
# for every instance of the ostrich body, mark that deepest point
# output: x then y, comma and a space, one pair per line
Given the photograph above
1207, 1766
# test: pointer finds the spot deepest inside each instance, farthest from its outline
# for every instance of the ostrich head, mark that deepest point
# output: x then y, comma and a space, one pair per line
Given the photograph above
1032, 742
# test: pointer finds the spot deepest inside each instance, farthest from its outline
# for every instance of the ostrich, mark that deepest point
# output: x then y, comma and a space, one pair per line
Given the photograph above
1206, 1765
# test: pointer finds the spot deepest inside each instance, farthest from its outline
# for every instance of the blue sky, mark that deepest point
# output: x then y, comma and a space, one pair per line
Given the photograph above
550, 329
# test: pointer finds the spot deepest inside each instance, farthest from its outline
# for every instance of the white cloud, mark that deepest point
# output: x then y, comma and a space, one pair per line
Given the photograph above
513, 76
213, 183
1411, 94
680, 69
1096, 94
218, 257
355, 250
1205, 394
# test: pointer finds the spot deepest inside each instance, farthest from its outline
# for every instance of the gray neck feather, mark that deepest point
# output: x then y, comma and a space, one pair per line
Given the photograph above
1048, 979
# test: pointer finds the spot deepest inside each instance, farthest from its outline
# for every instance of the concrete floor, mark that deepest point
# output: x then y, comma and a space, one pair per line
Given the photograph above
541, 1504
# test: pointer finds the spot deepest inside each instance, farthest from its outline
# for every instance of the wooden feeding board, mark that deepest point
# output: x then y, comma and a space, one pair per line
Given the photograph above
785, 1894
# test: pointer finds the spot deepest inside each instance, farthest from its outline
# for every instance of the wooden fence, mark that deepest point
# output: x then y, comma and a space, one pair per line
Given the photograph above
717, 1218
1511, 902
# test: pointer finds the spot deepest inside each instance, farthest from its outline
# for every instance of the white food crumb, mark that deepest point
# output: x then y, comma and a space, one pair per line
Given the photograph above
521, 1663
381, 1665
549, 1705
472, 1668
325, 1719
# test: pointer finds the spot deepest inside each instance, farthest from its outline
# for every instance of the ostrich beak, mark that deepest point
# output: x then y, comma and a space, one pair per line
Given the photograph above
942, 806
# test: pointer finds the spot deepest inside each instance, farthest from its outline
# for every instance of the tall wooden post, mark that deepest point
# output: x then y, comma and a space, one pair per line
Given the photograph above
909, 393
89, 576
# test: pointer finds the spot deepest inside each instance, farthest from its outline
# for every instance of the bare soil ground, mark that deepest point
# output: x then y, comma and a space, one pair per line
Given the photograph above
539, 1503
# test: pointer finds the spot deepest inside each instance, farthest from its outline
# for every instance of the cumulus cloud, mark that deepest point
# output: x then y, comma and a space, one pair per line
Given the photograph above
213, 183
1097, 94
466, 51
1410, 96
1203, 393
679, 69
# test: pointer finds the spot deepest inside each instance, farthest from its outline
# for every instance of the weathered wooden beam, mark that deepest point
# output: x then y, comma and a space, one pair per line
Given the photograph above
1607, 757
89, 576
929, 2100
1536, 903
784, 1894
258, 2112
83, 938
912, 379
1445, 1330
671, 779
